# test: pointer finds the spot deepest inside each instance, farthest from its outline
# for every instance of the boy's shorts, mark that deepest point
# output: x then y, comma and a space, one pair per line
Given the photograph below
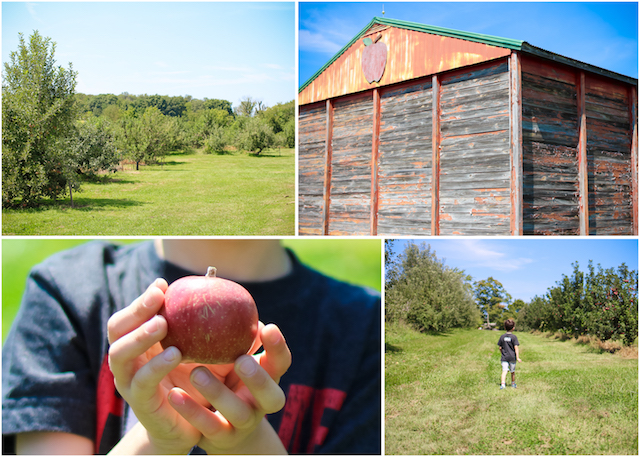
509, 366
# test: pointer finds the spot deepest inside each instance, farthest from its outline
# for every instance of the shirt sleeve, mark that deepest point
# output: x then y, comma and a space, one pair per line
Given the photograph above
47, 381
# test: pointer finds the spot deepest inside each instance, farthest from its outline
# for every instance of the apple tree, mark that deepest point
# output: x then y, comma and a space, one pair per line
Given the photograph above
491, 298
38, 114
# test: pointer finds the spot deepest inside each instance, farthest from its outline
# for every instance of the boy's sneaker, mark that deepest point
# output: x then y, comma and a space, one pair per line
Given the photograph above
513, 384
501, 386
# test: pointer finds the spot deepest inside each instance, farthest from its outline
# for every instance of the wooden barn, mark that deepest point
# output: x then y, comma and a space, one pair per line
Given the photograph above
418, 130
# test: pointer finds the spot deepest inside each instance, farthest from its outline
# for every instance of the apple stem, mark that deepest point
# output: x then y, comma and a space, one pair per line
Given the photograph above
211, 272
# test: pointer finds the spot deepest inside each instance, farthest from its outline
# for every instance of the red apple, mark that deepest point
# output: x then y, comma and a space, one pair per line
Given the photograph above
211, 320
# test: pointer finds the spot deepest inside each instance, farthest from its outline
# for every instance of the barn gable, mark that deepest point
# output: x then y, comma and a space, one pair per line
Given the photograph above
440, 132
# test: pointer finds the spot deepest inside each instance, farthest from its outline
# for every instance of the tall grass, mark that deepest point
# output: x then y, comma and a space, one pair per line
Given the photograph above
189, 194
442, 396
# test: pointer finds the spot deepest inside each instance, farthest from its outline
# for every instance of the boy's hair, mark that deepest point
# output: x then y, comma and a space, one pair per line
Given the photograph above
509, 324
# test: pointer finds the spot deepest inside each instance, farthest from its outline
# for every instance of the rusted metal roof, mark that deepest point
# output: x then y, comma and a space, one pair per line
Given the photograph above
489, 49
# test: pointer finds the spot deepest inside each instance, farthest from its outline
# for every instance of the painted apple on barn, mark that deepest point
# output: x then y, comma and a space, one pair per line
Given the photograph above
374, 59
210, 320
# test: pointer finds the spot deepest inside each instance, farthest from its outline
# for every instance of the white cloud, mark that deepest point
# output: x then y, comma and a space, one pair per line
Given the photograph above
316, 42
486, 254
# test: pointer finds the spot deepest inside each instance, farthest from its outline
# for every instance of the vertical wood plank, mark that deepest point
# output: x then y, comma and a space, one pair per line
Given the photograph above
583, 175
327, 168
633, 114
515, 97
435, 156
374, 162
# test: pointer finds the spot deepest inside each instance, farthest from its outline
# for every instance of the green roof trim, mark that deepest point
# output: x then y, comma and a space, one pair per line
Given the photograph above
508, 43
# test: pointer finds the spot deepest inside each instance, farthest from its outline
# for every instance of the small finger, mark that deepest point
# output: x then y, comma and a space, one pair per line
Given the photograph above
276, 358
144, 385
233, 408
139, 311
266, 392
124, 352
201, 418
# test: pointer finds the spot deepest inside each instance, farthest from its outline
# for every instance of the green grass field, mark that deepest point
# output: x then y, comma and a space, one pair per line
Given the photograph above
355, 261
190, 194
442, 396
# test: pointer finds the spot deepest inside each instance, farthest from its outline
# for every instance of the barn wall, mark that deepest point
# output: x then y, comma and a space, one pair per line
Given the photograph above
350, 197
404, 164
550, 148
474, 152
609, 157
379, 173
557, 193
312, 129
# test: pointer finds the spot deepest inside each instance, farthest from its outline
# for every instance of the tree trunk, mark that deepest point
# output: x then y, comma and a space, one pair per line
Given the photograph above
70, 194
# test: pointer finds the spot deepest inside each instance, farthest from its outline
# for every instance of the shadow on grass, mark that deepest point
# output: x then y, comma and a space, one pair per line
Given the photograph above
391, 348
79, 204
97, 204
168, 163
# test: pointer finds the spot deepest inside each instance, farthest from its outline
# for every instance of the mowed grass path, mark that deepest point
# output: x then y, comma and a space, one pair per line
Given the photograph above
190, 194
443, 397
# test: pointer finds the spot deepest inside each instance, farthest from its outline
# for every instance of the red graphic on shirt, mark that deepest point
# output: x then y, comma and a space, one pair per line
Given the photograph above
108, 402
302, 401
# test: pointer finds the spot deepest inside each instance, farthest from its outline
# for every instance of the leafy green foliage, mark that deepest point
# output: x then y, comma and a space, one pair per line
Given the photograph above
492, 299
428, 294
93, 147
37, 116
603, 303
255, 136
52, 137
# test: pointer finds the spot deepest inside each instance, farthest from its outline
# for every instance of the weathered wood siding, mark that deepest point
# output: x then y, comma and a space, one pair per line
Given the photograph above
404, 165
412, 54
435, 156
474, 152
609, 158
312, 129
550, 142
350, 207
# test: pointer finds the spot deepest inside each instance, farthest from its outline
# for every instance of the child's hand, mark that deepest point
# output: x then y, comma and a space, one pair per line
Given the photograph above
235, 422
519, 359
147, 376
140, 368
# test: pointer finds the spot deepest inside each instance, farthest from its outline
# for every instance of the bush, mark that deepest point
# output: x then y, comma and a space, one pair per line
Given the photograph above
428, 294
38, 112
602, 303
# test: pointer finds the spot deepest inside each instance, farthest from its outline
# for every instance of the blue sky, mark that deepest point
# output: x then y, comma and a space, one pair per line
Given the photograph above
602, 34
214, 50
529, 266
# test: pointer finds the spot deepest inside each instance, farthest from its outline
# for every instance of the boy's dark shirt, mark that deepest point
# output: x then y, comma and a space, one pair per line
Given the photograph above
508, 342
55, 376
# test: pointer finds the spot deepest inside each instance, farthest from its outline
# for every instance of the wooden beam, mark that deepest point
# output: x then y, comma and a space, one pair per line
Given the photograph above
583, 173
515, 124
327, 168
435, 155
374, 162
633, 115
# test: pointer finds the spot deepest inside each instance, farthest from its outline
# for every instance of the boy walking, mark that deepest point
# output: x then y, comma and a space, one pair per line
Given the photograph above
508, 344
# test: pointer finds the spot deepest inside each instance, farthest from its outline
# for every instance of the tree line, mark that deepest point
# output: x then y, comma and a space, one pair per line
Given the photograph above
54, 138
422, 291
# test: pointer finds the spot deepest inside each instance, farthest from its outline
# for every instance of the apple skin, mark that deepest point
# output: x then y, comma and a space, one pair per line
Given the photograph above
210, 320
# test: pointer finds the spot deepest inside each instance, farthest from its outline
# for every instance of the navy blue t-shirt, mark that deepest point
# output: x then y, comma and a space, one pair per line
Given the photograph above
508, 343
55, 375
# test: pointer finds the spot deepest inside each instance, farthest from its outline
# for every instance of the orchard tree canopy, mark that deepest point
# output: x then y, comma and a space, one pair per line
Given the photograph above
37, 116
492, 299
428, 294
